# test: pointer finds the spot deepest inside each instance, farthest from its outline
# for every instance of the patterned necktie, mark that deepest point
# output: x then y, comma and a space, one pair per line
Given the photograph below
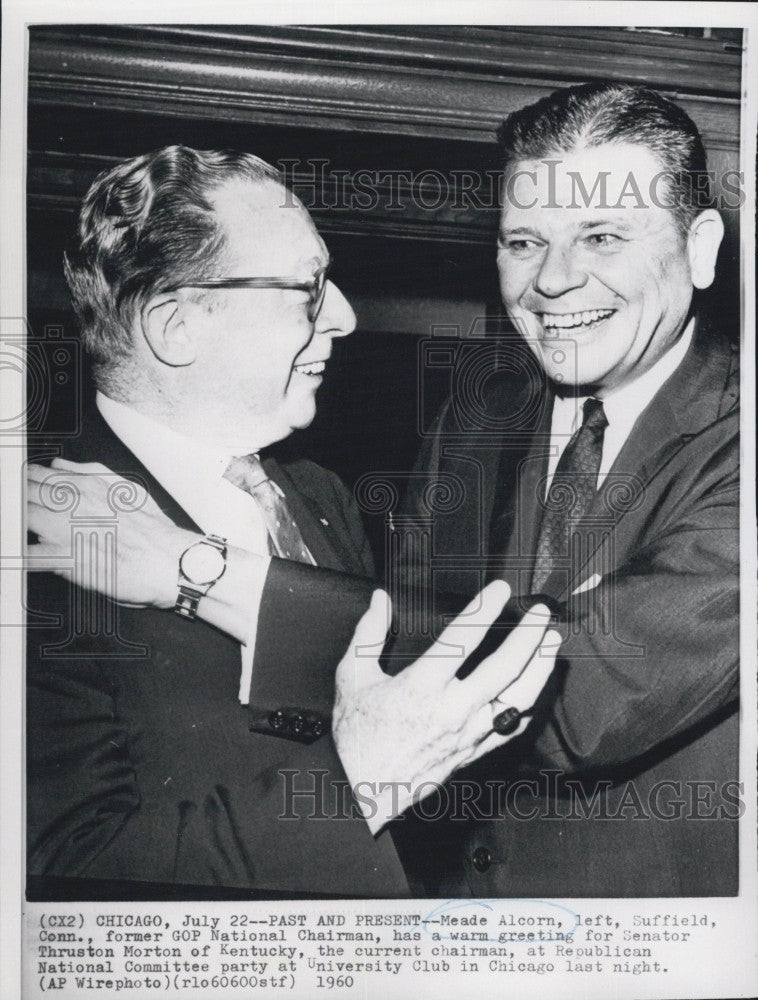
571, 492
285, 540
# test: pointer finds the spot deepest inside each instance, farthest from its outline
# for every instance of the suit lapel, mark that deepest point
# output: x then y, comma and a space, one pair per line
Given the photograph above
321, 537
522, 473
499, 463
490, 460
98, 443
690, 400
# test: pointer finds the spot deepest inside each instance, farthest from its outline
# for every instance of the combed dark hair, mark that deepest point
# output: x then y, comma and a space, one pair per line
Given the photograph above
596, 113
145, 224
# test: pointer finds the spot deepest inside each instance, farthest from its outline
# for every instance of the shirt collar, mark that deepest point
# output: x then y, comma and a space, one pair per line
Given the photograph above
630, 399
623, 405
188, 470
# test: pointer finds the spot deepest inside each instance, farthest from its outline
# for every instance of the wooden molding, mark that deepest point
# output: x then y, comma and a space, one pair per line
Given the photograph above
443, 82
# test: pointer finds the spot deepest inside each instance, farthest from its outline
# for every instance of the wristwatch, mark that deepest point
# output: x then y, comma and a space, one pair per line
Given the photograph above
200, 566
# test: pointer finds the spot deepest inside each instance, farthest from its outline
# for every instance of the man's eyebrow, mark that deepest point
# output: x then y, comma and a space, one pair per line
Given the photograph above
518, 231
604, 223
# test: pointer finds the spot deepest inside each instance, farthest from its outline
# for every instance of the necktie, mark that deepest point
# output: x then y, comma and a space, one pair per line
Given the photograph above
571, 492
285, 540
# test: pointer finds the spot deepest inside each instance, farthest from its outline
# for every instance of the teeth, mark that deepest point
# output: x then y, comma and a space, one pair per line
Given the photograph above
568, 321
315, 368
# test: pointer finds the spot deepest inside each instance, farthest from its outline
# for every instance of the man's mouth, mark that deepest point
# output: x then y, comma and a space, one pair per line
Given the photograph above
577, 320
314, 368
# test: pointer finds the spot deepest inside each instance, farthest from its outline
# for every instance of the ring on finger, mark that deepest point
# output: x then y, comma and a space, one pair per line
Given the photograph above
507, 721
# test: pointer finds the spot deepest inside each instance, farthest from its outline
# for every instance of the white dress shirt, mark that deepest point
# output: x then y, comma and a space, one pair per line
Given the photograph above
622, 407
193, 475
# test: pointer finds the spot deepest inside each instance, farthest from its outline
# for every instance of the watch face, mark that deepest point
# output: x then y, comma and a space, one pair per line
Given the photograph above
202, 563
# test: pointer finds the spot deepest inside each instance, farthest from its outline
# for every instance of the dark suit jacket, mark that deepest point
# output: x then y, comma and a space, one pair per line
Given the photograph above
140, 764
646, 690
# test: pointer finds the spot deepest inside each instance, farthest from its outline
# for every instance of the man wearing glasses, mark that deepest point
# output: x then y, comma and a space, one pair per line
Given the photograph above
206, 309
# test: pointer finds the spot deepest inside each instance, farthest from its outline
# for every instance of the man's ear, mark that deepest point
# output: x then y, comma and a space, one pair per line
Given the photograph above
166, 332
703, 243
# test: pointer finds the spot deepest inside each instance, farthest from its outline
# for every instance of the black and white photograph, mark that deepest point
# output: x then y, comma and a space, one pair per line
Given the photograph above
379, 512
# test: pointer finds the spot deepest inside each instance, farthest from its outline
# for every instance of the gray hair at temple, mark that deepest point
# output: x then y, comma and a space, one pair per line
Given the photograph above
597, 113
146, 224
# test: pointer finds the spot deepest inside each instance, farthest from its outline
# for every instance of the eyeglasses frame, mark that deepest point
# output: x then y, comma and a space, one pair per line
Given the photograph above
316, 287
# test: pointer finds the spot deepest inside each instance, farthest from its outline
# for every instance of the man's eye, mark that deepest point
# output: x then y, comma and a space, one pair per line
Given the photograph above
602, 239
520, 246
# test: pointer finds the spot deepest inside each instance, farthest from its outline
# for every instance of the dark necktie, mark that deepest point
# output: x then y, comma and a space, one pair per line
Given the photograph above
571, 492
285, 540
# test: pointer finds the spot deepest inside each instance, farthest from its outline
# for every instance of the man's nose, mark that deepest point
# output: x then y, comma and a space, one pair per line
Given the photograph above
336, 318
559, 273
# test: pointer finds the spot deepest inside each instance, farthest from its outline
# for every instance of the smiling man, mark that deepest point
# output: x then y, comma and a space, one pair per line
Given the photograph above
140, 770
206, 307
600, 286
604, 473
600, 469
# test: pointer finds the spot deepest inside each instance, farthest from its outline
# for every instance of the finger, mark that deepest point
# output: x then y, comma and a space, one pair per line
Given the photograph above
69, 539
34, 490
521, 694
56, 492
53, 526
43, 556
38, 517
503, 666
495, 740
464, 633
83, 468
491, 740
93, 484
38, 476
372, 628
359, 667
477, 728
526, 689
45, 484
37, 473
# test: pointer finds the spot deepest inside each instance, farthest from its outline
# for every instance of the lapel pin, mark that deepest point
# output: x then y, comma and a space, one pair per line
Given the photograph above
324, 522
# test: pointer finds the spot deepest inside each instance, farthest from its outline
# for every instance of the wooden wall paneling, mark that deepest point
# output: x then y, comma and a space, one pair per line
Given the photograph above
417, 81
390, 98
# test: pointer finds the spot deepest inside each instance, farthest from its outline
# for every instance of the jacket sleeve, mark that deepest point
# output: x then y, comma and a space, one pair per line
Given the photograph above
652, 652
146, 770
81, 786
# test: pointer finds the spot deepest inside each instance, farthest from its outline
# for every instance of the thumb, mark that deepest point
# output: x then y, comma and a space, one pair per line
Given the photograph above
359, 667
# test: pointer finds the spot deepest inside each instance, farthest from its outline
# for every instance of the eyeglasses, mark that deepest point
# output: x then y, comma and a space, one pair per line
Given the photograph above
316, 287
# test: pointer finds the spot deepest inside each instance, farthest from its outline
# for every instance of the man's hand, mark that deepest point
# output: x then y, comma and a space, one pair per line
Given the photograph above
399, 736
104, 532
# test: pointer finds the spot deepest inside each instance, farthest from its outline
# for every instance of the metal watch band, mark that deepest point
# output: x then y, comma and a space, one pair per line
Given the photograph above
217, 542
188, 598
187, 601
